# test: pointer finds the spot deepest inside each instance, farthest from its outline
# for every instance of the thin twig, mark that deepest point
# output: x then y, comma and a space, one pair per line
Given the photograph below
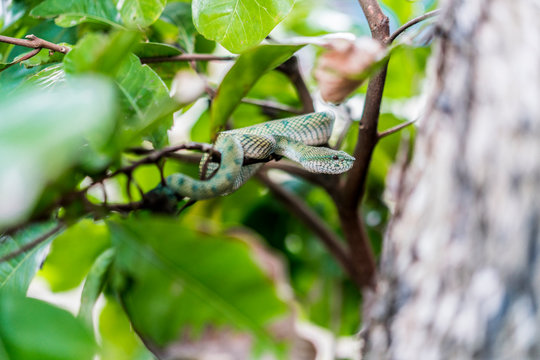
292, 70
33, 243
186, 57
34, 42
395, 129
22, 58
410, 23
273, 106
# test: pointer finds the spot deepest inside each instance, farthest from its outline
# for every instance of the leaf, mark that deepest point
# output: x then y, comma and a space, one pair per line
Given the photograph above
73, 253
238, 24
119, 341
173, 280
141, 13
144, 97
146, 101
17, 273
94, 284
100, 53
73, 12
179, 14
59, 123
150, 49
248, 68
31, 329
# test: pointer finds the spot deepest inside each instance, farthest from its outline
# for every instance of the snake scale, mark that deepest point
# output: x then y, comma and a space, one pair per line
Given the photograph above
295, 138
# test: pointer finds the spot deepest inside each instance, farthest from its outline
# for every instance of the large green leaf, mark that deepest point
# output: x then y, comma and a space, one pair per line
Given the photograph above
174, 280
238, 24
42, 133
248, 68
31, 329
72, 12
73, 253
16, 274
132, 13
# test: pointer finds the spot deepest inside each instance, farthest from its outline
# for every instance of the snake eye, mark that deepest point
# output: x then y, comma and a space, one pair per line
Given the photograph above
335, 157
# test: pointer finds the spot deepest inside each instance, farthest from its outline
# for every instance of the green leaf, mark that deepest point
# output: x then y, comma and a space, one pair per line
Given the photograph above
150, 49
73, 12
248, 68
119, 341
31, 329
238, 24
100, 53
58, 123
174, 280
73, 253
17, 273
144, 97
146, 101
179, 14
141, 13
94, 284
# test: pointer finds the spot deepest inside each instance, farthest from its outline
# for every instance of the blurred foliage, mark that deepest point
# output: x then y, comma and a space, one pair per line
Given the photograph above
239, 263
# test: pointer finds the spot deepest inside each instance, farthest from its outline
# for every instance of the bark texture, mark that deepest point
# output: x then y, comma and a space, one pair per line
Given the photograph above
460, 272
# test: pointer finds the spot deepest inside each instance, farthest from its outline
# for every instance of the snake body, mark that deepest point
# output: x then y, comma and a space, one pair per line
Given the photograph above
295, 138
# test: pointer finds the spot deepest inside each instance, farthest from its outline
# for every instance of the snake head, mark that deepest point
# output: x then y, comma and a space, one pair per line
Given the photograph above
327, 161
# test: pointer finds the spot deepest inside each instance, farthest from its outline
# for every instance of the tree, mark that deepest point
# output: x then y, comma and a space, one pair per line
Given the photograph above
90, 91
459, 274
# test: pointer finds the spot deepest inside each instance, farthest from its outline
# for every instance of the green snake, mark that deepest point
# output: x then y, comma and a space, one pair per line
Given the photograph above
294, 138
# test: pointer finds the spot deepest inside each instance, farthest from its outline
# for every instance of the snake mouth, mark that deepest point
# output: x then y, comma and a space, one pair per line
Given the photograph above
335, 164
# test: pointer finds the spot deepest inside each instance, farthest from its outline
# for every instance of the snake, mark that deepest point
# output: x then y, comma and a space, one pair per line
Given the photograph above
295, 138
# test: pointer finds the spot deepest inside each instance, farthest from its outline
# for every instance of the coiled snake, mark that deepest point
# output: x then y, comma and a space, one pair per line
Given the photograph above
294, 138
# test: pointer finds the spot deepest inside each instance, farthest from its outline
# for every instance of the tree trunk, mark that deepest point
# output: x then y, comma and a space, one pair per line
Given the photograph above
460, 272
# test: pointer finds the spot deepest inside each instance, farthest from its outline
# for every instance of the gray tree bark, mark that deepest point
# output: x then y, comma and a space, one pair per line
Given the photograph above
460, 272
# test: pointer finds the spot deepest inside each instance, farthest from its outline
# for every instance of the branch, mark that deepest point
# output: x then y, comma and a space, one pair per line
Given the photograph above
378, 22
186, 57
314, 223
35, 43
410, 23
33, 243
292, 70
395, 129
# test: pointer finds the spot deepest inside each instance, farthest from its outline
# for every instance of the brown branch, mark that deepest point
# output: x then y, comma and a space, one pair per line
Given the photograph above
22, 58
33, 243
34, 42
292, 70
410, 23
377, 21
314, 223
395, 129
186, 57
